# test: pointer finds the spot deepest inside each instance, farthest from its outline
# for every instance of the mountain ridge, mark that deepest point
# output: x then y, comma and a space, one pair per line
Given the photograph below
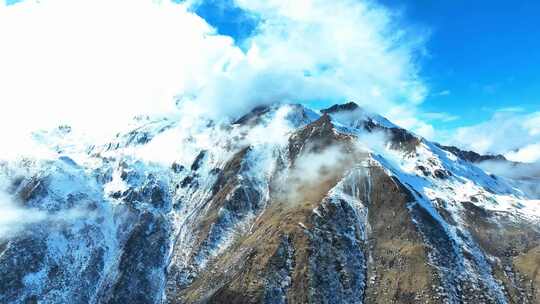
283, 205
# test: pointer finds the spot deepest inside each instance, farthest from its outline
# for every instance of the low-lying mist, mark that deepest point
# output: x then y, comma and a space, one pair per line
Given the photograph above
14, 218
17, 215
526, 176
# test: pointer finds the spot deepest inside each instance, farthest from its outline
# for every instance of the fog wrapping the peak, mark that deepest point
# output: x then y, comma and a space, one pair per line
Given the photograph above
96, 64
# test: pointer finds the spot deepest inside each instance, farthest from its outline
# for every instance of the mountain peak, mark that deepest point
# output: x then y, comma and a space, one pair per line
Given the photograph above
349, 106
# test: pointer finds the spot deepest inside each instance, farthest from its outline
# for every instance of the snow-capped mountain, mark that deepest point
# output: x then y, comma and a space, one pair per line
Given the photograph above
282, 205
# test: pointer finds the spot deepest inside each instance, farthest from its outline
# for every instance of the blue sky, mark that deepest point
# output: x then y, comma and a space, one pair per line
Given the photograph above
486, 53
227, 18
481, 56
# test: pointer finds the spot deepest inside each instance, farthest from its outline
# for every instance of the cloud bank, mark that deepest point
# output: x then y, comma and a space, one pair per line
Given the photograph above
95, 64
516, 135
320, 51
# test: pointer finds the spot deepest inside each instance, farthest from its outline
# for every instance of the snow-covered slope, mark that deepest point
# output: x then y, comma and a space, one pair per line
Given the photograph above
282, 205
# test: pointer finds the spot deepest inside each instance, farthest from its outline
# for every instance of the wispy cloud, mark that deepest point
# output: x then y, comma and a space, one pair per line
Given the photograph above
527, 153
80, 62
13, 217
440, 116
511, 109
442, 93
525, 176
282, 64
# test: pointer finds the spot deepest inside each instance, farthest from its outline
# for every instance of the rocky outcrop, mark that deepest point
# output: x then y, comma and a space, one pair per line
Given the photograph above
472, 156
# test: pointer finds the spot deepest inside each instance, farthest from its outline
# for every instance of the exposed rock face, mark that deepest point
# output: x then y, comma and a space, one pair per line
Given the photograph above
309, 216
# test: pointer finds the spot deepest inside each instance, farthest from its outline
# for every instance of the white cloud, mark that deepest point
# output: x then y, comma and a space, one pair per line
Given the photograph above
514, 134
441, 116
408, 117
443, 93
95, 64
312, 172
14, 217
318, 50
525, 177
511, 109
274, 132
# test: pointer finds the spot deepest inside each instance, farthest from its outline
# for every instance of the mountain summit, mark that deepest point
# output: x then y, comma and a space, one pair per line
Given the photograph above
283, 205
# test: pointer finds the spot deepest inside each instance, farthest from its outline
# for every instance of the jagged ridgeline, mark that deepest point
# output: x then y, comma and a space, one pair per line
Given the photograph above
283, 205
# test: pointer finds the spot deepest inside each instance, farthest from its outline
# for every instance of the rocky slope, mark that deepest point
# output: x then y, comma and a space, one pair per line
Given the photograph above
283, 205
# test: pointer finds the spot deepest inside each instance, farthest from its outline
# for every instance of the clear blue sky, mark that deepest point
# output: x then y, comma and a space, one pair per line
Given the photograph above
486, 54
